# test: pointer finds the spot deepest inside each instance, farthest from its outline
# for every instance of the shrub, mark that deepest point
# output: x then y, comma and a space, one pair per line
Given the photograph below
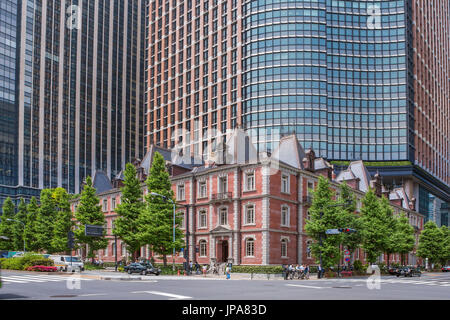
12, 263
91, 266
22, 263
257, 269
42, 268
358, 266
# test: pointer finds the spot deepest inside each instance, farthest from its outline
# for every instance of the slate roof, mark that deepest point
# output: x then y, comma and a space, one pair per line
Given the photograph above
356, 169
101, 182
400, 193
290, 151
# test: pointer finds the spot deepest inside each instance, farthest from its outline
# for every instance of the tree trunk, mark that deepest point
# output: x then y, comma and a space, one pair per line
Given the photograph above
165, 260
388, 256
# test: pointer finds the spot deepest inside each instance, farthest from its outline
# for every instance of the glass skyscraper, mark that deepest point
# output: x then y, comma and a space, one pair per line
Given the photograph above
353, 79
71, 91
314, 68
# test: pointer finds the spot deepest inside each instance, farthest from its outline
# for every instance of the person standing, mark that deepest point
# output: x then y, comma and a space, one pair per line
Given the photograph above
228, 272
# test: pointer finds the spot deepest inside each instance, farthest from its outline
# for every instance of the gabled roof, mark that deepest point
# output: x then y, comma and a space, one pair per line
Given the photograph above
290, 151
321, 163
101, 182
356, 169
400, 193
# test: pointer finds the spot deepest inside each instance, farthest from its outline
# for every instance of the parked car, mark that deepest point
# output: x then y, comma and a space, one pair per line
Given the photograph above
151, 269
445, 268
408, 271
142, 268
65, 263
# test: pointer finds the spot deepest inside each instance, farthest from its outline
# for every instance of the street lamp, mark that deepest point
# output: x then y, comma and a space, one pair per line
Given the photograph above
23, 231
347, 203
168, 199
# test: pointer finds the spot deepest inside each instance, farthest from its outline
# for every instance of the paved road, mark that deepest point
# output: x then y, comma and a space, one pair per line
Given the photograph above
34, 286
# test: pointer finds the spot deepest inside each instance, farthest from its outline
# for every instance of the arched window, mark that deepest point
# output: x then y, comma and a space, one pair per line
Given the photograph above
203, 248
284, 248
202, 219
285, 216
250, 214
223, 216
308, 249
250, 247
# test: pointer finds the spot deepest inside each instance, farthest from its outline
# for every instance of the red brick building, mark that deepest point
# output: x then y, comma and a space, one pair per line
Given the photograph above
252, 213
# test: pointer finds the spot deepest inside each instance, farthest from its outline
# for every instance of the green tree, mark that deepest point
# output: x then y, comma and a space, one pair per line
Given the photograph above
6, 227
18, 228
129, 210
156, 221
431, 243
30, 226
323, 217
446, 245
349, 219
89, 212
64, 220
374, 232
45, 219
403, 236
391, 245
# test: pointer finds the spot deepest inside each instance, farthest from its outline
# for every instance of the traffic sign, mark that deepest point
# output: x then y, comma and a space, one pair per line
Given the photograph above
347, 253
332, 231
93, 231
347, 259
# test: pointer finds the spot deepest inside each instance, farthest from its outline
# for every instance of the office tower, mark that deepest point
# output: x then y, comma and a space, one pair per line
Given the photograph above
353, 79
75, 91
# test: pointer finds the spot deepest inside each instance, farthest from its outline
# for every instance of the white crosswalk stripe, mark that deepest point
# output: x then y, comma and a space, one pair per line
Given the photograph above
36, 278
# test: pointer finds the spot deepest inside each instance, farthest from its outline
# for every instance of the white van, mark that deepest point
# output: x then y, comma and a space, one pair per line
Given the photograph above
65, 263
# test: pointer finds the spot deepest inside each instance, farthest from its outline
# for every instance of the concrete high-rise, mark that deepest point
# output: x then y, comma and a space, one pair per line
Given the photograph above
354, 80
72, 91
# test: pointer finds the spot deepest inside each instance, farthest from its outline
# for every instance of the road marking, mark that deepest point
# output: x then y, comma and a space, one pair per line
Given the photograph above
92, 294
15, 281
22, 279
174, 296
303, 286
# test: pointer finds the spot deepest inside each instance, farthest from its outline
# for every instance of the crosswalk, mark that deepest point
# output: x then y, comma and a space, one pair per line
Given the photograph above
26, 278
398, 281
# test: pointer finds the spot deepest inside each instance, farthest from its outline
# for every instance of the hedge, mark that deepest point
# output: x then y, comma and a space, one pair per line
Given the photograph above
376, 164
22, 263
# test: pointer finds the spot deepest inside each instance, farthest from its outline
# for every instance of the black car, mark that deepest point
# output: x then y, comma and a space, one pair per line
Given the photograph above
408, 272
141, 268
151, 268
445, 268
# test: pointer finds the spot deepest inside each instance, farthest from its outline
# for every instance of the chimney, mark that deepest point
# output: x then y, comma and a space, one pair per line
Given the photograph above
412, 204
376, 184
308, 160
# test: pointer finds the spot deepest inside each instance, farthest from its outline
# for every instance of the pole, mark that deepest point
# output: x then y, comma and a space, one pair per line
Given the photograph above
173, 253
320, 252
115, 249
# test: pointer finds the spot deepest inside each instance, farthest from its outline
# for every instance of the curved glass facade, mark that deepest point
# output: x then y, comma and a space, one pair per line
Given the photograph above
321, 69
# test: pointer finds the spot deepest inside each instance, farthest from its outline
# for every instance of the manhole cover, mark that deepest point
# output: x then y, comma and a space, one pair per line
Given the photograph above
65, 296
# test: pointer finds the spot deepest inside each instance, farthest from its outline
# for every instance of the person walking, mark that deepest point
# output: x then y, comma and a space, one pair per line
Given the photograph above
228, 272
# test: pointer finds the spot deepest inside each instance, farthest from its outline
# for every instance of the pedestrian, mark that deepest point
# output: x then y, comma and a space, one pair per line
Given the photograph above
319, 272
204, 270
228, 272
